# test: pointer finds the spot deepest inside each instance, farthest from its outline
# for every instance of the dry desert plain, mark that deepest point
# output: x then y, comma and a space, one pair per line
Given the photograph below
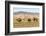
26, 20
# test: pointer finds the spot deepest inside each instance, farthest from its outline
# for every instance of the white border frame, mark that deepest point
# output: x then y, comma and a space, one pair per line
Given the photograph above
24, 29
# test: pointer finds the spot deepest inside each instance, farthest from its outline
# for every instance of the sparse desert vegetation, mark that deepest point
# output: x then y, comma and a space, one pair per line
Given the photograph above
25, 21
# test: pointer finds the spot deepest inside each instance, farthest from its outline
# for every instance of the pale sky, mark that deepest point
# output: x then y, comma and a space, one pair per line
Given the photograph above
34, 10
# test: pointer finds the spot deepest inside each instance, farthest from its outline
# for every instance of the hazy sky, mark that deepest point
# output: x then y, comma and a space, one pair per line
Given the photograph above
34, 10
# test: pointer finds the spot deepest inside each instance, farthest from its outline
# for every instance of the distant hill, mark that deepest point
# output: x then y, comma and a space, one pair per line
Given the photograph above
21, 12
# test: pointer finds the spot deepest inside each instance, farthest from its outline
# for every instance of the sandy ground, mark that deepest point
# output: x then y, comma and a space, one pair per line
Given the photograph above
25, 23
